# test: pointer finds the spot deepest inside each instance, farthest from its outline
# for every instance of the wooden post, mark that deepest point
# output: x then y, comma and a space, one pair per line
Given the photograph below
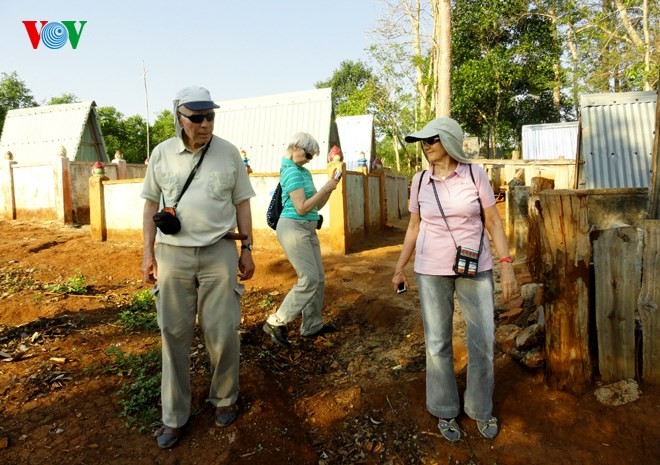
568, 361
97, 208
537, 242
617, 276
7, 185
518, 221
648, 304
383, 198
63, 195
122, 169
337, 207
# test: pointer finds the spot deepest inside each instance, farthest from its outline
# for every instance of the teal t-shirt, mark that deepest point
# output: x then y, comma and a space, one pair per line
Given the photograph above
294, 177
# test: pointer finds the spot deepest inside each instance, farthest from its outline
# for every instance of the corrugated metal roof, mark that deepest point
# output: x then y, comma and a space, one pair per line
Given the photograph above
617, 139
263, 126
356, 134
35, 135
550, 141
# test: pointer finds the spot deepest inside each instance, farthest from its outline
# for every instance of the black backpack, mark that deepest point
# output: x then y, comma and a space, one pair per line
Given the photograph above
275, 207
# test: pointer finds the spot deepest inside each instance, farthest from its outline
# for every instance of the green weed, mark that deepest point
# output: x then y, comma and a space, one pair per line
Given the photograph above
141, 314
74, 285
266, 302
139, 398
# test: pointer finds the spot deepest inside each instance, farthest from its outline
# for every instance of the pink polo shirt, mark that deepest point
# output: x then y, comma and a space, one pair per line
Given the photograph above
435, 250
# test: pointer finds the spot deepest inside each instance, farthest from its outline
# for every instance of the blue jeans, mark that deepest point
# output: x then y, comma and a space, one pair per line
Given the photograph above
476, 299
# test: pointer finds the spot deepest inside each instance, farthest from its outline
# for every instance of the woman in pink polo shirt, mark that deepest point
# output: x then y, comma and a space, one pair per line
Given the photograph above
452, 204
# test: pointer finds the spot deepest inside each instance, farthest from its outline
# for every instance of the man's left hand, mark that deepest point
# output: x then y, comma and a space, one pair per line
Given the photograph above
245, 266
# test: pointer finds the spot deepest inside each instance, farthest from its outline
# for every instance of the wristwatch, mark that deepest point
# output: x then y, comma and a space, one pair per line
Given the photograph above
247, 246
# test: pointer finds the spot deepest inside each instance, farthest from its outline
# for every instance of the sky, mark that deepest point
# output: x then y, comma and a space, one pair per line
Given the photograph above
235, 48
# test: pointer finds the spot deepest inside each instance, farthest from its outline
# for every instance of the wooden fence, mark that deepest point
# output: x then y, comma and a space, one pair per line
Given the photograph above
597, 256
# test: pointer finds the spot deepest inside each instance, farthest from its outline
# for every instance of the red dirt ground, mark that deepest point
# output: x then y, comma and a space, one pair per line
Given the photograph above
353, 397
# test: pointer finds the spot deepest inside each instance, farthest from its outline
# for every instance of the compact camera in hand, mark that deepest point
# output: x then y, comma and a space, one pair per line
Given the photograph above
402, 288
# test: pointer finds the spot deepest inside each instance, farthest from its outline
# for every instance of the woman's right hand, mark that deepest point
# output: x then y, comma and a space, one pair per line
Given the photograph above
398, 278
329, 186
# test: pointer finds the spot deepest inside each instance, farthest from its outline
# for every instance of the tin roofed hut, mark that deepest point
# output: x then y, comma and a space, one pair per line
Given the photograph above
36, 135
357, 137
263, 126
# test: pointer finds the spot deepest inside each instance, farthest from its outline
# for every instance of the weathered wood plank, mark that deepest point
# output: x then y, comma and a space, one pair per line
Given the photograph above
648, 304
617, 274
564, 216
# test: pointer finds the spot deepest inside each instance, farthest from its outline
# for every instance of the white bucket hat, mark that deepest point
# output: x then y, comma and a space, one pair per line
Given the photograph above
450, 133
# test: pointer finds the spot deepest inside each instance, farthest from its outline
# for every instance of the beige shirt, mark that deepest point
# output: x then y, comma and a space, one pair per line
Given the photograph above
207, 209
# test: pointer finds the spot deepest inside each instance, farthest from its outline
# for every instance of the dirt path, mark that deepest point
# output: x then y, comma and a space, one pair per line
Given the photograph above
356, 396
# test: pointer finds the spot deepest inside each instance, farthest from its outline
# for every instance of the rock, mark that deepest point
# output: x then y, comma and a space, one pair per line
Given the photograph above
534, 358
505, 336
528, 292
619, 393
529, 337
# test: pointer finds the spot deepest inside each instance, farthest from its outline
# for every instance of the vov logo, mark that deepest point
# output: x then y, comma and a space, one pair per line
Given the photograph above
53, 34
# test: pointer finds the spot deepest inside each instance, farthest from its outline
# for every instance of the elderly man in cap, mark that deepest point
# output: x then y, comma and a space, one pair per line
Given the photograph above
452, 205
195, 269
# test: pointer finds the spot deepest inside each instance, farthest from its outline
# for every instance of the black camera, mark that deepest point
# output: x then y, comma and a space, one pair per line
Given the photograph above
402, 288
167, 221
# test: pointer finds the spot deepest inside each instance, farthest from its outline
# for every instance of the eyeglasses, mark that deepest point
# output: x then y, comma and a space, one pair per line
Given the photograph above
431, 140
198, 118
308, 155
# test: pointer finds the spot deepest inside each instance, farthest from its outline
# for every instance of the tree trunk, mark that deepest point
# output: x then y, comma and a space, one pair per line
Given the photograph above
566, 225
442, 64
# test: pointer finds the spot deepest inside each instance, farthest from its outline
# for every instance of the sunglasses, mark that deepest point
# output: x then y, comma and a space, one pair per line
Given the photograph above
431, 140
198, 118
308, 155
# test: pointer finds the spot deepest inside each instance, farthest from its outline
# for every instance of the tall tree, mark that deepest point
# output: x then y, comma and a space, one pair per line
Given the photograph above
353, 84
163, 127
442, 45
13, 94
503, 70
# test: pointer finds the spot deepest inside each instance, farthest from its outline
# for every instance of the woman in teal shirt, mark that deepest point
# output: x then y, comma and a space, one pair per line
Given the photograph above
296, 232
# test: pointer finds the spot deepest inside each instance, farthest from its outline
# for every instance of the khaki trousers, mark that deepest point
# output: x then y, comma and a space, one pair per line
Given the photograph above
303, 249
202, 283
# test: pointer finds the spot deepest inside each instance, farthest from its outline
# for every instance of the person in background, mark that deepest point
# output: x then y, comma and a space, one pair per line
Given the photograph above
461, 190
296, 232
195, 270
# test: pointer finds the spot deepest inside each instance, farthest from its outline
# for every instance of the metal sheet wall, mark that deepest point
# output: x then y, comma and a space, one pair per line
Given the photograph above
617, 139
550, 141
263, 127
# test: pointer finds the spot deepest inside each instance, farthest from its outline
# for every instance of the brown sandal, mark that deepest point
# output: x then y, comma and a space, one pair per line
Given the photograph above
167, 437
225, 416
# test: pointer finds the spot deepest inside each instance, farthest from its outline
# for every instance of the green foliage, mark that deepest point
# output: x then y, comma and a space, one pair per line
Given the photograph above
64, 98
141, 314
13, 94
503, 69
266, 302
129, 135
351, 83
74, 285
163, 128
139, 398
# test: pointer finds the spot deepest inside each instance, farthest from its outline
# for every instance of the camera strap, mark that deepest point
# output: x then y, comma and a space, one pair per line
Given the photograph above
190, 176
442, 212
